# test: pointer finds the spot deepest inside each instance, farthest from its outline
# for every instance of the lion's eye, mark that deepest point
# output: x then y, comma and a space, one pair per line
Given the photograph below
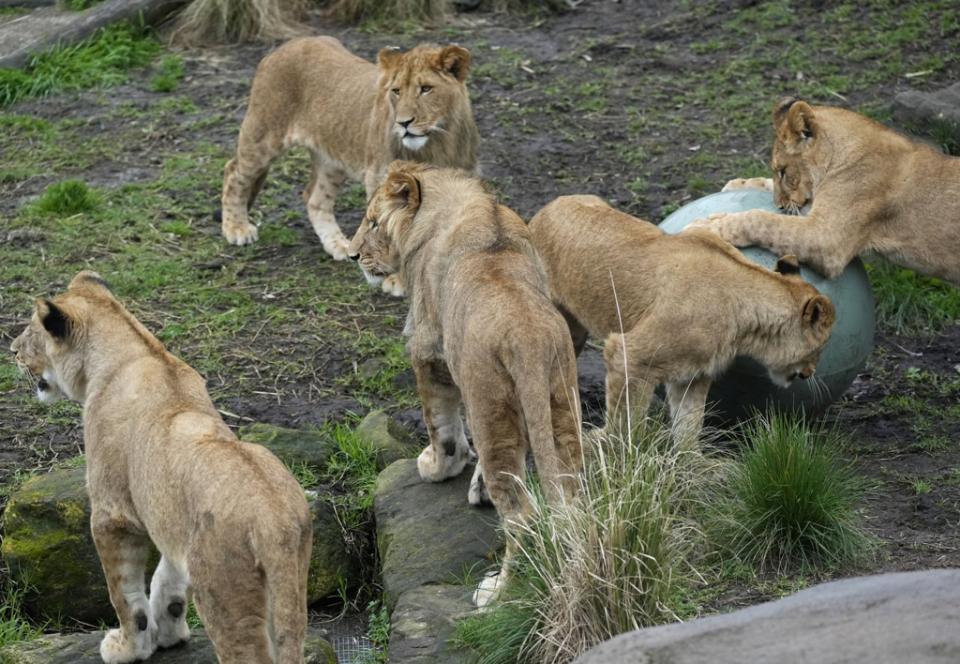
395, 92
782, 172
424, 89
373, 223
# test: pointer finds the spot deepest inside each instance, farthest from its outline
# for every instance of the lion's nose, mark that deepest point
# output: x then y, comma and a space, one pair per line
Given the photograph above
806, 373
354, 257
405, 123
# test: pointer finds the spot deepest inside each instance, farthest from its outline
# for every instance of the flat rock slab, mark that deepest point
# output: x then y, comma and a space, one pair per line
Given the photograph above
884, 619
45, 28
85, 649
937, 111
427, 533
423, 623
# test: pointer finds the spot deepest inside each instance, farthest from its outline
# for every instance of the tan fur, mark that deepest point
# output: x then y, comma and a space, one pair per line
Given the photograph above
228, 518
484, 332
349, 114
673, 309
871, 189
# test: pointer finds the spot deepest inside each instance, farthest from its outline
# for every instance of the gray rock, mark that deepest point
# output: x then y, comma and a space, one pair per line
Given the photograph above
292, 446
423, 622
427, 533
885, 619
85, 649
388, 438
936, 113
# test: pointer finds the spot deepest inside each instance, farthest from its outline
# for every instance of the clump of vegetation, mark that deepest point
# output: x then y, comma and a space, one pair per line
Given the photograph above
67, 197
612, 560
378, 632
352, 11
790, 502
13, 626
910, 303
101, 60
225, 21
77, 5
170, 74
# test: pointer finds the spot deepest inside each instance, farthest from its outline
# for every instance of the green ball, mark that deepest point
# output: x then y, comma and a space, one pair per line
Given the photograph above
745, 387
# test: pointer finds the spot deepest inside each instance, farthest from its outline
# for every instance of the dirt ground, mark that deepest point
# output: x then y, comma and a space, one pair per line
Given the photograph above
647, 104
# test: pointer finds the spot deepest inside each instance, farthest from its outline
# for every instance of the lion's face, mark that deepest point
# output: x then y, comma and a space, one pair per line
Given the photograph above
792, 185
36, 349
794, 150
424, 87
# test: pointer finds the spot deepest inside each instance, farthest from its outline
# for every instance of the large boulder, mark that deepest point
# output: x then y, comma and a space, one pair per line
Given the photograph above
885, 619
935, 113
311, 447
85, 649
332, 561
423, 622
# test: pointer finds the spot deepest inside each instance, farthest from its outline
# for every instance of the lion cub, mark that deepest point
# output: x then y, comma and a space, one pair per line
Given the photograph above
354, 117
230, 521
674, 309
483, 331
868, 187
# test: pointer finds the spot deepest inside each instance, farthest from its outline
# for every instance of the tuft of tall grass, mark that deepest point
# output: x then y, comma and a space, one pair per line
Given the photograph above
204, 22
353, 11
613, 559
910, 303
14, 628
790, 502
101, 60
66, 198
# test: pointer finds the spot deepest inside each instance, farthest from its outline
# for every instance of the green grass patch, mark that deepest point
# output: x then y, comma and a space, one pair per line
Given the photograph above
102, 60
77, 5
169, 75
378, 632
66, 198
14, 627
790, 501
910, 303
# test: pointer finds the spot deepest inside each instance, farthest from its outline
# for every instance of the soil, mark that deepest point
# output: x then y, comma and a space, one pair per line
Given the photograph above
647, 148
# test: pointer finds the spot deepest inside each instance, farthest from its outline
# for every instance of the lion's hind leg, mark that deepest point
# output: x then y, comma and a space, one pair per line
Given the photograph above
232, 603
168, 602
243, 176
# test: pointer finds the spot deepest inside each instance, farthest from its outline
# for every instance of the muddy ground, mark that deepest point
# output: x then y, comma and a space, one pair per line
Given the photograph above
647, 104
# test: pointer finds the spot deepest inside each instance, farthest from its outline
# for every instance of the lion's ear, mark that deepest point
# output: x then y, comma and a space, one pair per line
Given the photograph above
388, 57
819, 314
88, 278
455, 60
54, 320
788, 265
794, 120
403, 188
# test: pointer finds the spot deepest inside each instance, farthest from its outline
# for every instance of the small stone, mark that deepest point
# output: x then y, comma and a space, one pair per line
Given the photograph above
390, 440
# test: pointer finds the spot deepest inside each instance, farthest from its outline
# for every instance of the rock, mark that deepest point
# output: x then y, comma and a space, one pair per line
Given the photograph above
936, 113
884, 619
332, 561
423, 622
427, 533
292, 446
390, 440
85, 649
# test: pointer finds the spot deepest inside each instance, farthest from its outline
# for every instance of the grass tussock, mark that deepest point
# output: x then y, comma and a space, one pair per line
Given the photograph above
103, 59
67, 198
613, 560
910, 303
14, 628
205, 22
789, 503
354, 11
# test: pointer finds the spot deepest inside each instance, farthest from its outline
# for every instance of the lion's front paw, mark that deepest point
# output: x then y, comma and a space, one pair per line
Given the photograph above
393, 285
477, 495
434, 469
709, 223
240, 234
116, 649
336, 245
172, 624
765, 184
487, 591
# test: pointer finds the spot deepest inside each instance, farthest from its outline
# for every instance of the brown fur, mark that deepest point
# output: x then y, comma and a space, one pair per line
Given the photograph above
162, 466
871, 189
673, 309
313, 92
483, 331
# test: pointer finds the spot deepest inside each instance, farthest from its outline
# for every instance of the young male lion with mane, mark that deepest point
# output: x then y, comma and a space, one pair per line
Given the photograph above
483, 331
868, 187
354, 117
230, 521
674, 309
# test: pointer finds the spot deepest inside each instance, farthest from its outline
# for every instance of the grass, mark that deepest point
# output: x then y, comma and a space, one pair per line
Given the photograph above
14, 628
613, 560
379, 11
225, 21
790, 502
169, 75
66, 198
378, 632
77, 5
103, 59
909, 303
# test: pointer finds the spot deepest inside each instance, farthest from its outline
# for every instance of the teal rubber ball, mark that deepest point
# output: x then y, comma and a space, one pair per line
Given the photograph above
745, 387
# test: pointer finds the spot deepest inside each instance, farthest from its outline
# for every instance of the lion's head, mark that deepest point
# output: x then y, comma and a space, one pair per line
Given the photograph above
795, 150
425, 88
50, 350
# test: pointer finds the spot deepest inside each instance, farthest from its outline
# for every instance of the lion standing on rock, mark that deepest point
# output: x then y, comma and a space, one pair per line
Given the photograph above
231, 523
354, 117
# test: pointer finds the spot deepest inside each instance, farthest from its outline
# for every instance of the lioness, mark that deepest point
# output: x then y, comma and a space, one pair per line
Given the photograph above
230, 521
483, 331
673, 309
354, 117
869, 189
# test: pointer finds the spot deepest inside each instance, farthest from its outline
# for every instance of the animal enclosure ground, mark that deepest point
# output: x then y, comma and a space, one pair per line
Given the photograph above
647, 104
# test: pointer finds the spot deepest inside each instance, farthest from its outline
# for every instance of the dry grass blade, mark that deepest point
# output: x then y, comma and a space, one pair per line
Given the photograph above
225, 21
402, 10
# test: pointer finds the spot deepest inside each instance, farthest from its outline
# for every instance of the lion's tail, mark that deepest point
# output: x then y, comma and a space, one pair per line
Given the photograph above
286, 575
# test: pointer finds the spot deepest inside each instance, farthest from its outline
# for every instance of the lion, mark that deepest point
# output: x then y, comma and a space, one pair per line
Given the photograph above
483, 332
868, 188
231, 523
673, 309
354, 117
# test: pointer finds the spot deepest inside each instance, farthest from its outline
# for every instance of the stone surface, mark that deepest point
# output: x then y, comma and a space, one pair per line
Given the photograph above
935, 113
885, 619
292, 446
85, 649
427, 533
331, 560
390, 440
45, 28
423, 621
